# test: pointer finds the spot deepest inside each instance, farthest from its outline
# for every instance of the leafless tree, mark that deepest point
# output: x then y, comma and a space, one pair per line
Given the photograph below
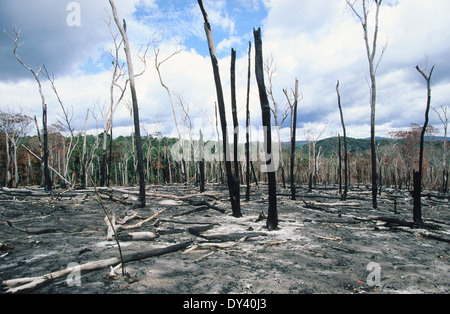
344, 195
272, 219
293, 105
17, 44
444, 119
158, 64
371, 49
131, 76
14, 125
235, 125
313, 156
247, 124
270, 70
417, 211
236, 207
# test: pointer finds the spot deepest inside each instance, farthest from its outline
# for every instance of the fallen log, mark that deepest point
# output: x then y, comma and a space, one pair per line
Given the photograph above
436, 237
170, 196
204, 203
216, 247
24, 285
231, 236
197, 230
36, 231
350, 204
138, 236
114, 198
316, 207
118, 226
24, 192
191, 211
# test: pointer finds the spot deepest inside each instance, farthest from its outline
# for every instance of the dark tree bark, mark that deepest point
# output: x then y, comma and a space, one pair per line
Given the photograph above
340, 164
417, 193
417, 210
344, 195
47, 178
137, 127
237, 193
293, 140
103, 166
235, 204
201, 163
272, 218
247, 124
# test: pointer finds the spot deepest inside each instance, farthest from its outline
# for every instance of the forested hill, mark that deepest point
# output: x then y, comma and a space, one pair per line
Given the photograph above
330, 145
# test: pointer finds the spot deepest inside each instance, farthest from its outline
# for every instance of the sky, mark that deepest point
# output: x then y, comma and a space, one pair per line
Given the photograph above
317, 42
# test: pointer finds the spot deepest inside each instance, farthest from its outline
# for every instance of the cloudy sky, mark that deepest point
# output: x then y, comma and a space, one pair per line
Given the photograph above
316, 41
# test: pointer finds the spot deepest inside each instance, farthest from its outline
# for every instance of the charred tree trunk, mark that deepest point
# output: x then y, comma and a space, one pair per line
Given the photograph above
272, 219
236, 207
417, 193
344, 195
247, 125
417, 210
237, 193
201, 163
339, 164
293, 140
137, 130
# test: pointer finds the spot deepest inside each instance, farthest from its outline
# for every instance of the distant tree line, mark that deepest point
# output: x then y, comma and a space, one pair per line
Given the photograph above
397, 158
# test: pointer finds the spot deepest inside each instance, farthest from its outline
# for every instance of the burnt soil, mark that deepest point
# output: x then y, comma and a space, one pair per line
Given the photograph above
318, 248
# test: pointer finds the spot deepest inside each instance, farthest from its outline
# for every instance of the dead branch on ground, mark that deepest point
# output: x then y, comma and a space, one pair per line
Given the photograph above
120, 225
24, 285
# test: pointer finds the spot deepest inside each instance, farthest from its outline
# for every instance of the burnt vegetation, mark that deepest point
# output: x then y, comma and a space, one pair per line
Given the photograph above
177, 221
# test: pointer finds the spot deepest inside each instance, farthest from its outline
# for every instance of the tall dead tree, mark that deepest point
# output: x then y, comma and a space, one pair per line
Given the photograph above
272, 218
371, 54
247, 125
158, 64
138, 140
293, 138
201, 161
117, 77
417, 210
344, 195
45, 166
270, 70
235, 125
444, 120
293, 108
235, 204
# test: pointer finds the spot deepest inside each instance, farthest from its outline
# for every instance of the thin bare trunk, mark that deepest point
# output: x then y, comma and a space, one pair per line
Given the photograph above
247, 144
138, 140
344, 195
47, 179
371, 53
417, 211
236, 207
237, 193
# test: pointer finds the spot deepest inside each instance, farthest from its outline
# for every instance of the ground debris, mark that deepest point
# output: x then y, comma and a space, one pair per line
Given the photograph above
322, 246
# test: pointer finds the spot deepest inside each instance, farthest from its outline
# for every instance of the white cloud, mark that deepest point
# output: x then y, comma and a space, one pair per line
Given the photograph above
316, 41
320, 42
